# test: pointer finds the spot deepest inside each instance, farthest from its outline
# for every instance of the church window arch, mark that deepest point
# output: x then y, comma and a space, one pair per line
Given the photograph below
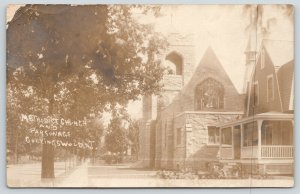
209, 95
174, 63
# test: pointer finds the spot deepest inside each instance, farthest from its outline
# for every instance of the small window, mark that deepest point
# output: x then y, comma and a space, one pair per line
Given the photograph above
227, 136
270, 90
262, 59
178, 134
174, 64
256, 93
213, 135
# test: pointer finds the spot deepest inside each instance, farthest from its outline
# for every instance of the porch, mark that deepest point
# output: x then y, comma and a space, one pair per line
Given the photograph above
265, 136
268, 151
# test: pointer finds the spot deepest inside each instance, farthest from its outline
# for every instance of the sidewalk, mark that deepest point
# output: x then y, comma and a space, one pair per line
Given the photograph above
78, 178
29, 175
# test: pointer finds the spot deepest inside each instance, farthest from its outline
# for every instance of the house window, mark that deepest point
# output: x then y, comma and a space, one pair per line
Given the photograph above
209, 94
270, 89
178, 134
262, 59
256, 93
227, 136
250, 134
213, 135
277, 133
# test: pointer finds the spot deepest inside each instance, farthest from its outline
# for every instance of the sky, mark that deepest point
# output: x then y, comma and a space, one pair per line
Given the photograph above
222, 27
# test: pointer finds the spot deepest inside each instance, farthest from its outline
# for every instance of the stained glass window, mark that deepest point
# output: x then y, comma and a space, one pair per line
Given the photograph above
209, 94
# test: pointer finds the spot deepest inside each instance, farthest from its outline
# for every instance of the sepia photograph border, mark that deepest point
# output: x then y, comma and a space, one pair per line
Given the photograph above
212, 189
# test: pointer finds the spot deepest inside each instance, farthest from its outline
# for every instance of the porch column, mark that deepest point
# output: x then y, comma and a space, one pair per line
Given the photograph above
220, 144
259, 124
242, 140
232, 143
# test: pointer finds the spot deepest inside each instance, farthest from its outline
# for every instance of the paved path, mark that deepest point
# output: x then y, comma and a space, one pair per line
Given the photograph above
101, 175
78, 178
29, 175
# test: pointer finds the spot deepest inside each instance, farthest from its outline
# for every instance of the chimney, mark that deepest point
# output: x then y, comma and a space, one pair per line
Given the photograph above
251, 47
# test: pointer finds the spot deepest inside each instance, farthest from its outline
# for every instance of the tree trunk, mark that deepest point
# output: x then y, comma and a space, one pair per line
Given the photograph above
17, 149
48, 162
48, 152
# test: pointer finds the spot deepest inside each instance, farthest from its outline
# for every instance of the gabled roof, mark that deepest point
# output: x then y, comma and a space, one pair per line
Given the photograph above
285, 75
210, 66
281, 54
280, 51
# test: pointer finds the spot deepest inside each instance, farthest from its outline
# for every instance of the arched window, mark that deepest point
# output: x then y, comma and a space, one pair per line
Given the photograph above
170, 68
209, 94
174, 63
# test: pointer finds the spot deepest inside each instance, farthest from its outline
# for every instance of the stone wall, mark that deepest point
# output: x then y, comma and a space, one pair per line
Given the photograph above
149, 107
197, 124
178, 97
195, 133
152, 143
158, 144
172, 82
164, 144
166, 99
179, 148
185, 47
144, 148
146, 155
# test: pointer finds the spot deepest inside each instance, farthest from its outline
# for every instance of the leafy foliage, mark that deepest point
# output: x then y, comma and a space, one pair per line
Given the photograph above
116, 140
133, 136
77, 61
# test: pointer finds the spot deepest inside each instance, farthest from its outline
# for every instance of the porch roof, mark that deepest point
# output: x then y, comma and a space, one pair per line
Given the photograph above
209, 112
262, 116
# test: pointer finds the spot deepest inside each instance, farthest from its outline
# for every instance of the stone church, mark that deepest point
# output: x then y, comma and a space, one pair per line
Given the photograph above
180, 127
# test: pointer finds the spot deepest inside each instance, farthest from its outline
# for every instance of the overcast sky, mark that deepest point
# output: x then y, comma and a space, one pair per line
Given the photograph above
221, 27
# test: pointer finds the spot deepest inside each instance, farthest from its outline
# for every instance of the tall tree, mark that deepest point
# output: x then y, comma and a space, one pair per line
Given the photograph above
116, 140
133, 136
93, 57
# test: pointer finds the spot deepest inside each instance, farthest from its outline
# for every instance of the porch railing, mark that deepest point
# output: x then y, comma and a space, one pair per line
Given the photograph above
277, 151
